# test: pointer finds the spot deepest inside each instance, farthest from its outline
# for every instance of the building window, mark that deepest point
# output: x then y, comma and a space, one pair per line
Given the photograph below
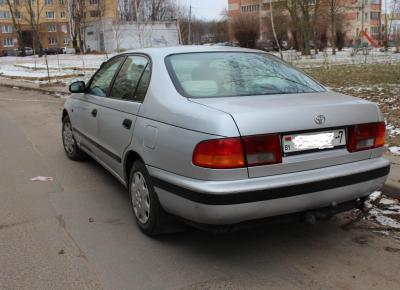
52, 40
65, 40
50, 14
62, 14
7, 42
375, 30
62, 2
51, 27
6, 29
5, 15
48, 2
16, 2
94, 13
64, 28
375, 15
17, 14
32, 2
3, 2
93, 2
250, 8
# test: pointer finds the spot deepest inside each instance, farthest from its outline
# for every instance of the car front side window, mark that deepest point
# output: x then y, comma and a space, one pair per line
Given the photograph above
127, 81
103, 78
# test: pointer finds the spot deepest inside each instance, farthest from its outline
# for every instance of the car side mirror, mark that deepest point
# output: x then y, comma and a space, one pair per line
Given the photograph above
77, 87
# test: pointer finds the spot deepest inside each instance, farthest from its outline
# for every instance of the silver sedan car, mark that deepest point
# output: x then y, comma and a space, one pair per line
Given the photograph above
222, 136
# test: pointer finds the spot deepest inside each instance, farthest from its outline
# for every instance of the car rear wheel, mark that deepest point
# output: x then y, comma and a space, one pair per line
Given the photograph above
70, 146
149, 215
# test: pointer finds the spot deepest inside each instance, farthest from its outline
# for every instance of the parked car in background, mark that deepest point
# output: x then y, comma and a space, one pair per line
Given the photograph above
68, 50
225, 44
271, 46
218, 136
28, 51
52, 51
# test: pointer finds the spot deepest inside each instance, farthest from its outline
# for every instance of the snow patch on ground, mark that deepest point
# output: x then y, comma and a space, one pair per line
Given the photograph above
383, 210
12, 71
394, 150
392, 130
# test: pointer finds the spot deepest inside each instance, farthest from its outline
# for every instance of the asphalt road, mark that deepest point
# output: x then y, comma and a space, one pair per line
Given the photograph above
77, 232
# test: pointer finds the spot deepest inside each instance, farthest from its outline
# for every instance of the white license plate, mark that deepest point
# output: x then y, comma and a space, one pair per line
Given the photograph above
313, 141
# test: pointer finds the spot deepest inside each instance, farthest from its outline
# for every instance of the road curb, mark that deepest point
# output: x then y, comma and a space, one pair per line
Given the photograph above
32, 88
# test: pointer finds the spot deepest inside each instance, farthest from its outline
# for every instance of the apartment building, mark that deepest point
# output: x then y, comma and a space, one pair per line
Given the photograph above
95, 10
363, 15
356, 15
50, 15
53, 22
392, 21
250, 8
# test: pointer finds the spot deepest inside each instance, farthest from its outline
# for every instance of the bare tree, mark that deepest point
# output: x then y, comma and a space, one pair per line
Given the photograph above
246, 30
304, 15
76, 11
16, 25
127, 10
334, 10
34, 9
394, 11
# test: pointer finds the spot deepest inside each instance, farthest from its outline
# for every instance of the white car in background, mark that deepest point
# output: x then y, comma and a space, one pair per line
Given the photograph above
68, 50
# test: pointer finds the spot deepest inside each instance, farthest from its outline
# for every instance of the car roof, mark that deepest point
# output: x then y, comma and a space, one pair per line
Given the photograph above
165, 51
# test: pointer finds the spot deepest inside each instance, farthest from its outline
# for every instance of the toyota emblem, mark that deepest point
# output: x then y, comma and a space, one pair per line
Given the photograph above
320, 119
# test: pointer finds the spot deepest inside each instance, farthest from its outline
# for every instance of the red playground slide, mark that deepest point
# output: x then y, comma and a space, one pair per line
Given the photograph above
369, 38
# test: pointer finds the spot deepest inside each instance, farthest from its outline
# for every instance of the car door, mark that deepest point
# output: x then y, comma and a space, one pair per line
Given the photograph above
119, 109
85, 107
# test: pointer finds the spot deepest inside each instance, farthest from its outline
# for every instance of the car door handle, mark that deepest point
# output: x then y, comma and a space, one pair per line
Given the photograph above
127, 124
94, 113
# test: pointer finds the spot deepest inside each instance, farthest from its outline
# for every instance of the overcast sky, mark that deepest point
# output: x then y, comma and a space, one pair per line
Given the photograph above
207, 9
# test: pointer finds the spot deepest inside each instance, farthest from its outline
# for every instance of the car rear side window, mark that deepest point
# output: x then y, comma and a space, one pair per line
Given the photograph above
229, 74
104, 76
143, 84
128, 79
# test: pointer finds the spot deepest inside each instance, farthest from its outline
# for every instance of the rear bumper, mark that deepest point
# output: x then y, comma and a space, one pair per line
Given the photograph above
230, 202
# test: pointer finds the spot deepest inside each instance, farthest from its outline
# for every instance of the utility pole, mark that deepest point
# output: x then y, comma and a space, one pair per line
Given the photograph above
362, 15
386, 37
273, 29
178, 21
190, 24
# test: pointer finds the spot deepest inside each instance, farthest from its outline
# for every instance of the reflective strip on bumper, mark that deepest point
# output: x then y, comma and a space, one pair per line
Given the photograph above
271, 193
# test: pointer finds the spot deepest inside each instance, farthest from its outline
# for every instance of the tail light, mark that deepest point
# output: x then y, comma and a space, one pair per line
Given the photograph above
219, 154
238, 152
366, 136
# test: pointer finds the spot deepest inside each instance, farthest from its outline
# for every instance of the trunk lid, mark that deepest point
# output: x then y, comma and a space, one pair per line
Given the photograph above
296, 113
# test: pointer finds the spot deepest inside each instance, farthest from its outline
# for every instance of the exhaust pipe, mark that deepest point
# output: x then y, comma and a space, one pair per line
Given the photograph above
311, 217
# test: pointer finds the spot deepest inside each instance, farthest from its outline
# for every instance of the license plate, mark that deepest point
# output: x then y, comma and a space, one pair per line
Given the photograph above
313, 141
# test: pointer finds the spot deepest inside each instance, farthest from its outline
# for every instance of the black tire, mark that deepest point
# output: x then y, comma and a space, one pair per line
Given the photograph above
71, 148
148, 221
157, 221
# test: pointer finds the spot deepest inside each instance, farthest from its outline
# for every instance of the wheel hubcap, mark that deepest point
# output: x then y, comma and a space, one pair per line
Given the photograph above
140, 197
68, 138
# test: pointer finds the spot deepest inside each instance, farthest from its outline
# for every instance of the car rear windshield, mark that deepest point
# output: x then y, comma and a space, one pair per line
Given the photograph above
230, 74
